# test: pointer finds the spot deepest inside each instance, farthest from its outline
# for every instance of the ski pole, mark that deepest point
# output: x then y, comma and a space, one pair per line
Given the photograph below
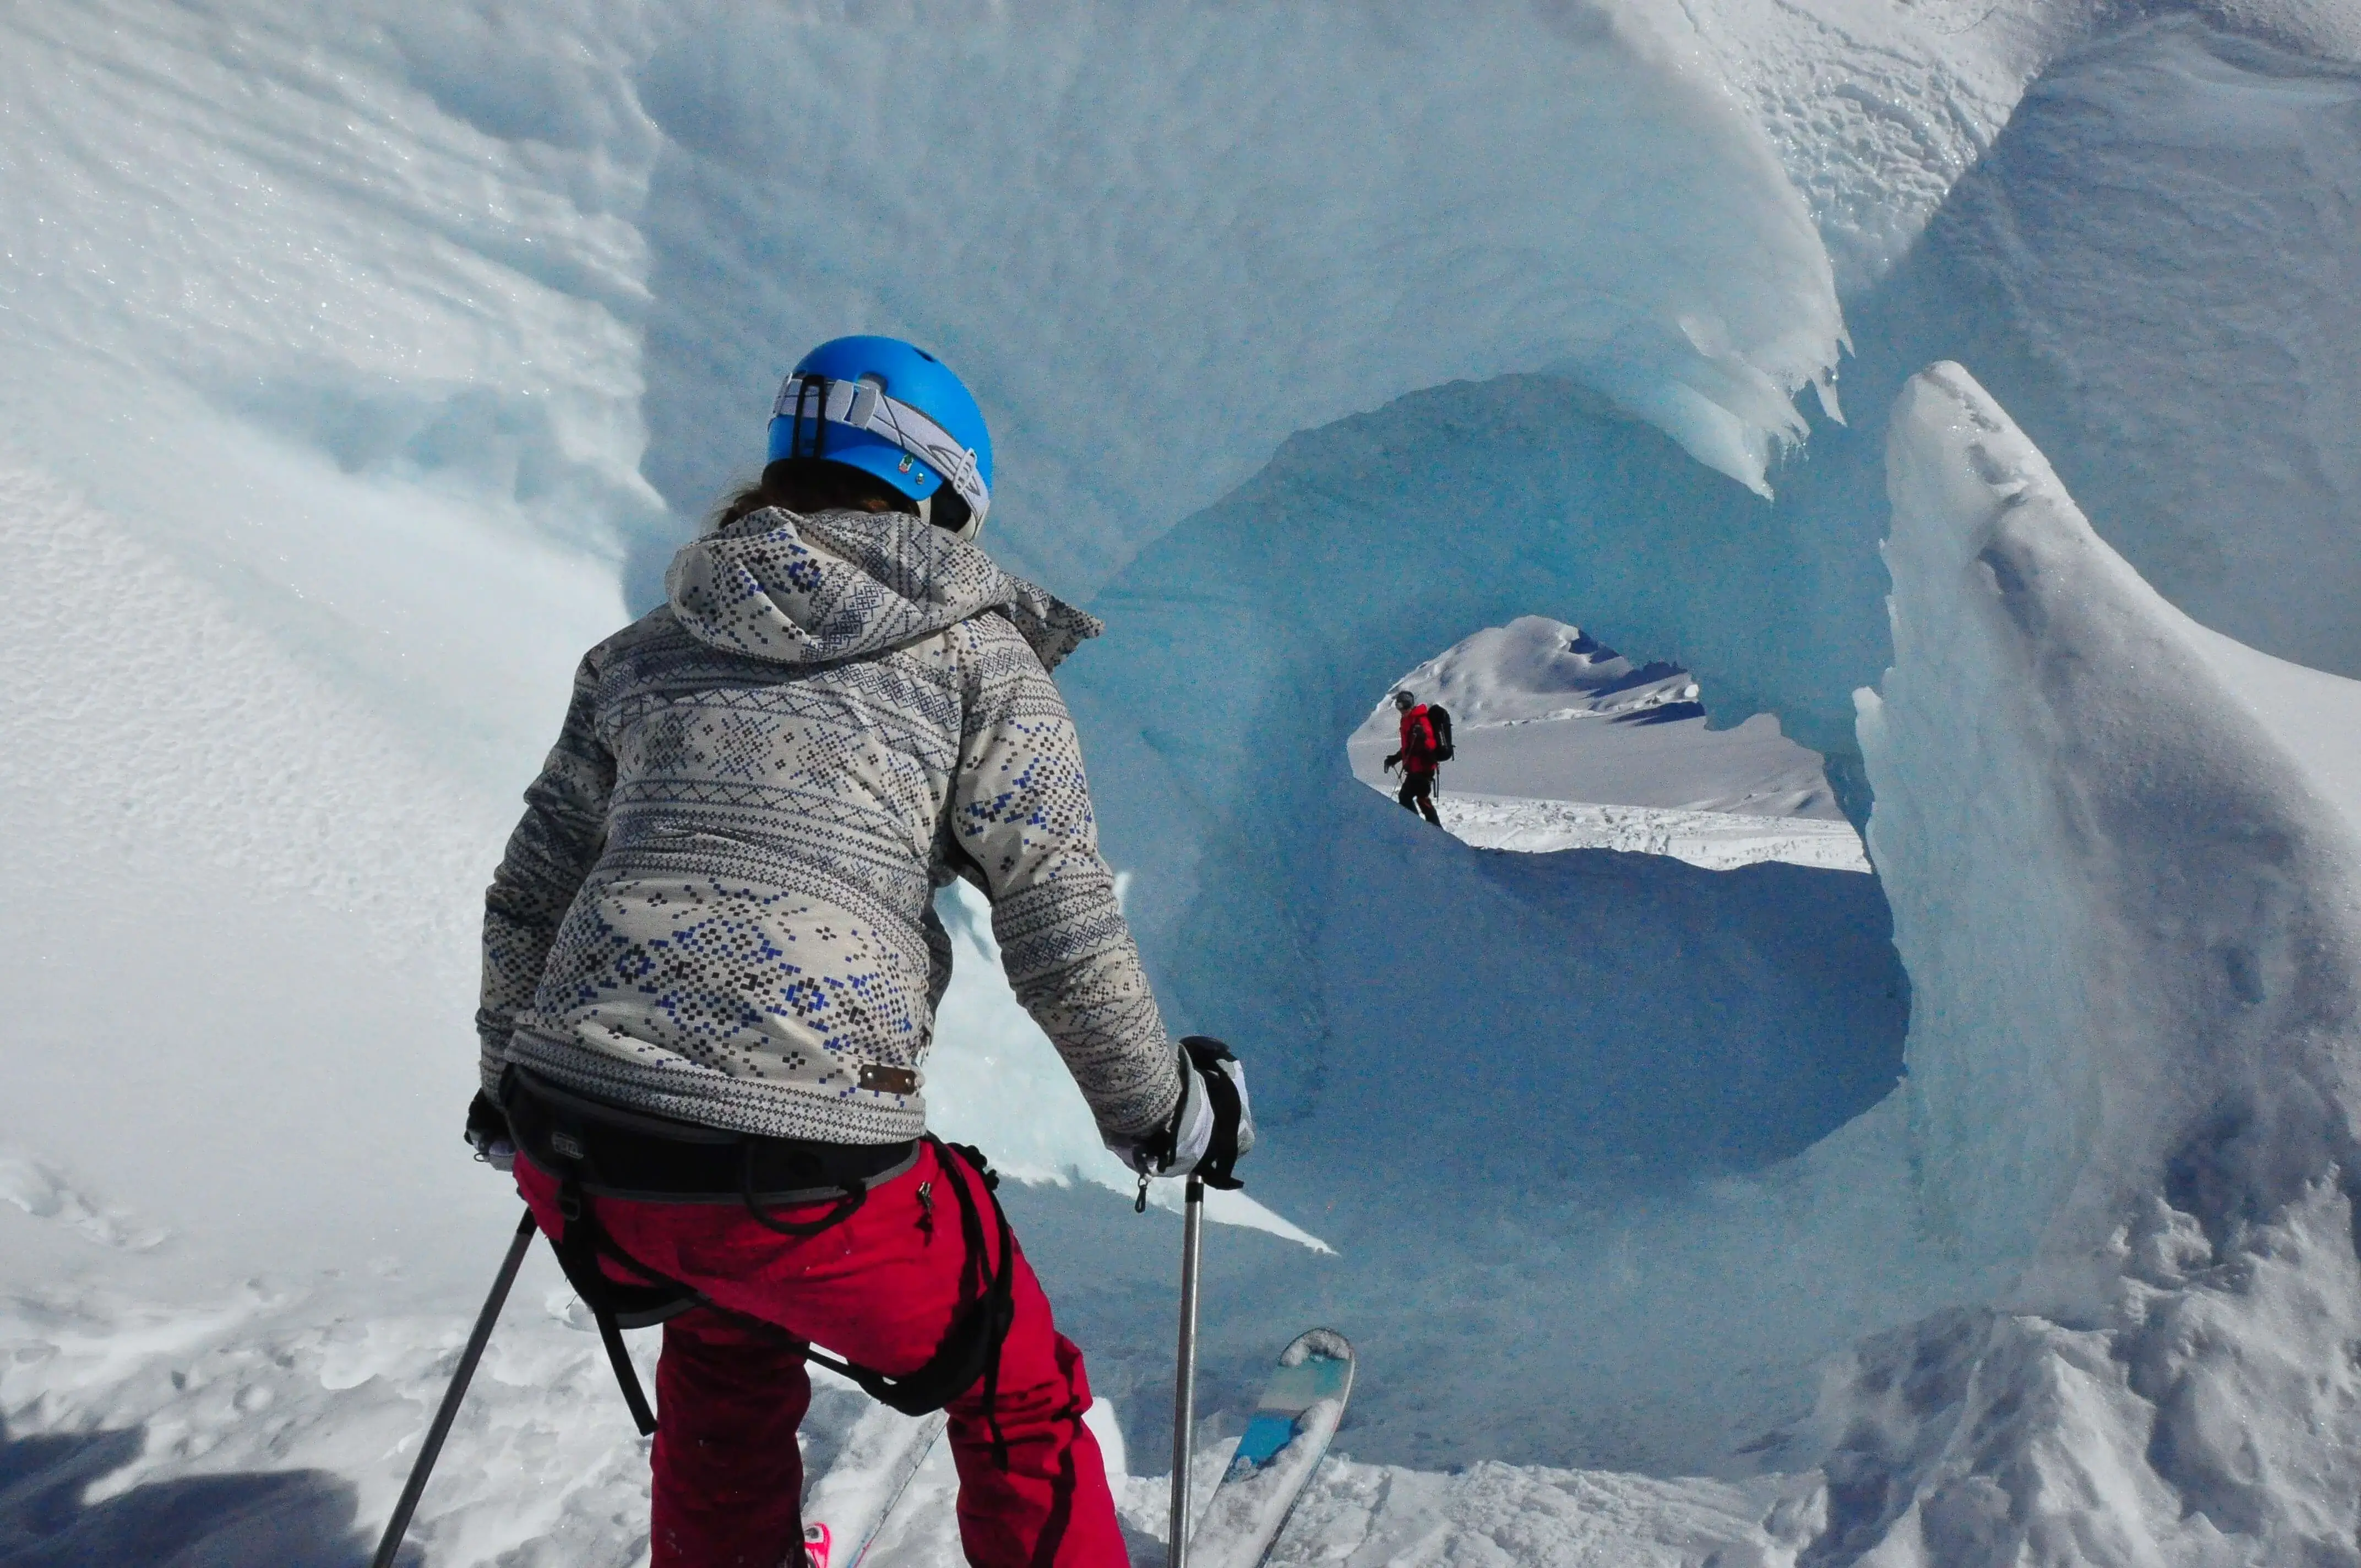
1184, 1376
399, 1525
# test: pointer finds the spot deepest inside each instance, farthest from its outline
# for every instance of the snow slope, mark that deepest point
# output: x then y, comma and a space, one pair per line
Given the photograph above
1720, 839
358, 365
1531, 670
1671, 758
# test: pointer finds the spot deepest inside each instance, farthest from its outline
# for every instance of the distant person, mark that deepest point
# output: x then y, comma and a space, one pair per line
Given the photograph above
711, 964
1423, 748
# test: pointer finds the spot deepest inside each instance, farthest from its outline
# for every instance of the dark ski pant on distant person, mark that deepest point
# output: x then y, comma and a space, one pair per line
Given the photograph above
1417, 794
880, 1288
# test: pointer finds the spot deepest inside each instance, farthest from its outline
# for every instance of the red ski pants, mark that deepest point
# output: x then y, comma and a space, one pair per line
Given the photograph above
880, 1288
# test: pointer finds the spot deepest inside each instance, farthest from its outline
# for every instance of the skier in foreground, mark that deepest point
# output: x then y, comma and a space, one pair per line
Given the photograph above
1419, 757
711, 962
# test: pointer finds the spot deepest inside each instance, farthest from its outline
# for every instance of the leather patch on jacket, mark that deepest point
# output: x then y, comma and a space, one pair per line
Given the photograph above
889, 1080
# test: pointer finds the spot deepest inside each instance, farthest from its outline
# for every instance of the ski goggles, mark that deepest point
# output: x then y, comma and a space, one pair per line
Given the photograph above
864, 406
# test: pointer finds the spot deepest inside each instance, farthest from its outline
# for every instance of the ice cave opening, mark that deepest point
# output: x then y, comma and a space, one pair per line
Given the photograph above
1551, 1078
1710, 990
1562, 743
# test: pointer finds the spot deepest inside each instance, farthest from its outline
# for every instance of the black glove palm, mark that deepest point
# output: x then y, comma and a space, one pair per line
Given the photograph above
1225, 1079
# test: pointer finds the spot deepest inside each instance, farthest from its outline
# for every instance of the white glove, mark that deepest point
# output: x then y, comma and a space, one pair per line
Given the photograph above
1210, 1128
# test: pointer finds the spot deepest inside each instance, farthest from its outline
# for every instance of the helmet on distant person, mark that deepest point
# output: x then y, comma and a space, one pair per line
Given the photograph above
1405, 700
893, 411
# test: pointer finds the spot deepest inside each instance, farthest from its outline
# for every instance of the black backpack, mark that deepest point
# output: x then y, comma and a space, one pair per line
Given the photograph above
1440, 716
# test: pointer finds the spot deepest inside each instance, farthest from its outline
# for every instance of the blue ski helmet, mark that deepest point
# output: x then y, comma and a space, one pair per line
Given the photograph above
893, 411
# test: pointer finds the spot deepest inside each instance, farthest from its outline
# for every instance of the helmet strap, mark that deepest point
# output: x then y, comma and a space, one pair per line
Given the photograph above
805, 388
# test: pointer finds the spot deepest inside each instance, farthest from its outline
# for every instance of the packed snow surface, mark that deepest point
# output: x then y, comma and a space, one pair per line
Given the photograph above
1720, 839
359, 365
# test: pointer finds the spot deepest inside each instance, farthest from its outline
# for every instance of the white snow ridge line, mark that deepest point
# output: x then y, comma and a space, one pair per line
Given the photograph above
1714, 840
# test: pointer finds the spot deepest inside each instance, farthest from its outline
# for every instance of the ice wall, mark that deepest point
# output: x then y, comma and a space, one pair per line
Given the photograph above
367, 366
2158, 843
2151, 268
1126, 226
2147, 182
2155, 270
499, 251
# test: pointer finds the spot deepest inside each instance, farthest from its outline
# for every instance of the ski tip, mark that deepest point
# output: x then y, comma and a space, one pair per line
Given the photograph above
1323, 1344
818, 1543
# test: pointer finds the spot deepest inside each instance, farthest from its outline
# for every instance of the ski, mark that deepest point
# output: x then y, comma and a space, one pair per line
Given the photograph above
846, 1508
1283, 1444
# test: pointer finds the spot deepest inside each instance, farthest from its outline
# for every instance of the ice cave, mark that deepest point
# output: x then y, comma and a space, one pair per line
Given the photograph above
1954, 1163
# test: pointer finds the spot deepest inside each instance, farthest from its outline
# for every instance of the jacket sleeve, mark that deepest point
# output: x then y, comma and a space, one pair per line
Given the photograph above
554, 844
1021, 811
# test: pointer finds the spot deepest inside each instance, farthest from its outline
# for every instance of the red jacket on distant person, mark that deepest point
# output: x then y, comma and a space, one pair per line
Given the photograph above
1418, 742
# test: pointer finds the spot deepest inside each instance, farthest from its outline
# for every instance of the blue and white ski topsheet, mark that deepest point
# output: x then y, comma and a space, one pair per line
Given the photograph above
1282, 1446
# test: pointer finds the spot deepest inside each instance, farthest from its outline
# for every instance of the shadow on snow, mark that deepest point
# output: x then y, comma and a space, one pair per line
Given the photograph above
290, 1518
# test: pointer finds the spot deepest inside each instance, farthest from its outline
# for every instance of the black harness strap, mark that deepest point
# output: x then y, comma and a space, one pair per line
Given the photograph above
969, 1350
579, 1247
854, 1197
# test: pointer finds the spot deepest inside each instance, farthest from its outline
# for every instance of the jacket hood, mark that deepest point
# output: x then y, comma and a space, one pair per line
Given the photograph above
838, 585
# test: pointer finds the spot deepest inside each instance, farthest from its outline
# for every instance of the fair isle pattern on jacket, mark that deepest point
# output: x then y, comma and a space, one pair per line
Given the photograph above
719, 905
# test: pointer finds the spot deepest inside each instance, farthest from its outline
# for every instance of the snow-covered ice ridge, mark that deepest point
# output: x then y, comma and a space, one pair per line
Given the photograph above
1532, 671
2173, 1377
359, 365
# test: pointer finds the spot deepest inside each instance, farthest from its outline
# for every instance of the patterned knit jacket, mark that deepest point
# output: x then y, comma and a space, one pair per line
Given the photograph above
719, 904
